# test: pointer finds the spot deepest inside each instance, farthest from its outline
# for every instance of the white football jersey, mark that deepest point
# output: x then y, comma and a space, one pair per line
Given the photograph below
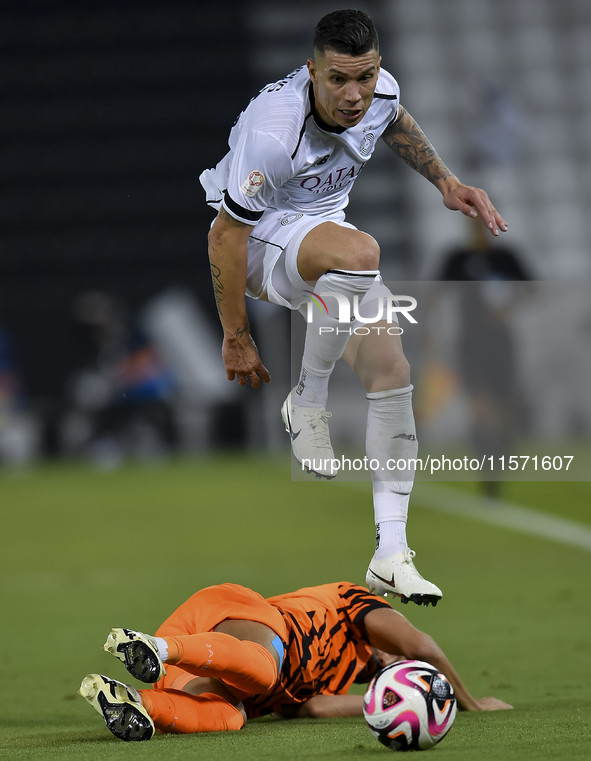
283, 156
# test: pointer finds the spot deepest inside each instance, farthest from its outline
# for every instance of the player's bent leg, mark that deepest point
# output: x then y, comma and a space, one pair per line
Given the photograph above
248, 666
241, 664
182, 713
120, 706
378, 356
341, 262
331, 246
391, 441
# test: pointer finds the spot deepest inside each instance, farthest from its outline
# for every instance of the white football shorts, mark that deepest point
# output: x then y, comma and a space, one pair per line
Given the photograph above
273, 247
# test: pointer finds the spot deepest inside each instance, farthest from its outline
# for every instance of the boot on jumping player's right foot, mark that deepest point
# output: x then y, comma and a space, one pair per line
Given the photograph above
310, 437
397, 575
119, 705
138, 652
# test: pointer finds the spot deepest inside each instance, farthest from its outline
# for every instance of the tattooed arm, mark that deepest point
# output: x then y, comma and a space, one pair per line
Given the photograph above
407, 140
228, 240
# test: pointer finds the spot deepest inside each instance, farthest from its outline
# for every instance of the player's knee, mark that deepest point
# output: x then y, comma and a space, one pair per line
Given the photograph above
363, 254
369, 255
389, 372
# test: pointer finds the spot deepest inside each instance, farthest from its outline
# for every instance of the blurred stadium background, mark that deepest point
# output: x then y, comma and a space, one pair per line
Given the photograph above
112, 109
110, 351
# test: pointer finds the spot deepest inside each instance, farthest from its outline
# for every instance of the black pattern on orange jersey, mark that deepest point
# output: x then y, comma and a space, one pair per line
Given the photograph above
327, 644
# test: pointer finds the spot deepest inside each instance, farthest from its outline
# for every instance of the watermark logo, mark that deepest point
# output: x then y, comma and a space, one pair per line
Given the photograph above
383, 309
315, 299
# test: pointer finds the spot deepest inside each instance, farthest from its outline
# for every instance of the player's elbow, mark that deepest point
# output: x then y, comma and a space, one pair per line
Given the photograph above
331, 706
321, 707
215, 238
219, 235
311, 709
227, 233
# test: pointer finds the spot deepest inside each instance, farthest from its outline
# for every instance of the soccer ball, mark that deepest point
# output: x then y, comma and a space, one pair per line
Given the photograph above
409, 705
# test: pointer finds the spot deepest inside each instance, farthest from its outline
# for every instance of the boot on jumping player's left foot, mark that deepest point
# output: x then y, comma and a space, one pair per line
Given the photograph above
310, 437
397, 575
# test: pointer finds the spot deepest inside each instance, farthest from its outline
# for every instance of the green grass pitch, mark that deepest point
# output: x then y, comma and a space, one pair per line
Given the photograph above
83, 551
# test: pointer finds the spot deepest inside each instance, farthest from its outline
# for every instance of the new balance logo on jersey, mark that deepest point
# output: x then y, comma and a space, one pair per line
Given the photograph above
405, 436
335, 179
287, 219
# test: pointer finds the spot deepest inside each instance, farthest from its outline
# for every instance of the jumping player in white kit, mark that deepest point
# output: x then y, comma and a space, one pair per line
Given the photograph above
280, 233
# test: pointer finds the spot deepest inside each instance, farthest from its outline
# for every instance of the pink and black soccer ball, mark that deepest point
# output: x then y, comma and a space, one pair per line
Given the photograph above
409, 705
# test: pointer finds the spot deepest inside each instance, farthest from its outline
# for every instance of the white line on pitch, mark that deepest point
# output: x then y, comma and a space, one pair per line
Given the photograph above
499, 513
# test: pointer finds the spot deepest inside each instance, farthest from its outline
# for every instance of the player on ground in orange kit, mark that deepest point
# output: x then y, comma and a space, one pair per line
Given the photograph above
227, 654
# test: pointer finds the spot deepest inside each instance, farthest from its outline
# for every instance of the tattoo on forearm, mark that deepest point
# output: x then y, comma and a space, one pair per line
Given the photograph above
218, 286
241, 331
408, 141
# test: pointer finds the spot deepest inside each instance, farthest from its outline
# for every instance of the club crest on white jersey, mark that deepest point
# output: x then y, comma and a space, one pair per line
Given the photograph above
366, 145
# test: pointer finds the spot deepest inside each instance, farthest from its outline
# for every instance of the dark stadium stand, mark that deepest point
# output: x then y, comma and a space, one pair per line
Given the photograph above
110, 112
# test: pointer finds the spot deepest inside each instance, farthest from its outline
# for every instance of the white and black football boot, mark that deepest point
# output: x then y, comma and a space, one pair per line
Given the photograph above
397, 575
138, 652
119, 705
310, 437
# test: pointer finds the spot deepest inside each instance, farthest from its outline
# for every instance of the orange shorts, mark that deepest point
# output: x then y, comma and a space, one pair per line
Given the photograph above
205, 610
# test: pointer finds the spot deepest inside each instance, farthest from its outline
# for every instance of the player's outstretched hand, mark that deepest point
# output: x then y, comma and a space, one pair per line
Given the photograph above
492, 704
471, 202
241, 360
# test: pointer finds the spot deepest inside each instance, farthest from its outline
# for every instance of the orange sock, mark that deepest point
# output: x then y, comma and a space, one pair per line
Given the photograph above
178, 713
239, 663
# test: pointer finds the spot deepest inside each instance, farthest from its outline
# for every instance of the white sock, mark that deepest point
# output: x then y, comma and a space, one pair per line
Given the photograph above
389, 505
322, 350
390, 538
391, 436
372, 305
312, 388
162, 648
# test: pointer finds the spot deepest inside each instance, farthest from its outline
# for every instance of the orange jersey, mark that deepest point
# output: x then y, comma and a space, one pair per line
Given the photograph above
326, 647
321, 629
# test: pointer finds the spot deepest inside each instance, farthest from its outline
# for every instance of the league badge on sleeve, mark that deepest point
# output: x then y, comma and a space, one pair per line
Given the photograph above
253, 183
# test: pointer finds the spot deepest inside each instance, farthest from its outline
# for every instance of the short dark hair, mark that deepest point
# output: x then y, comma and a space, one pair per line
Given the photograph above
347, 31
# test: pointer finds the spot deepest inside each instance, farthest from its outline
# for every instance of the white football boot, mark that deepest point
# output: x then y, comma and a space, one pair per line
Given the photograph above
397, 575
310, 437
119, 705
138, 652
